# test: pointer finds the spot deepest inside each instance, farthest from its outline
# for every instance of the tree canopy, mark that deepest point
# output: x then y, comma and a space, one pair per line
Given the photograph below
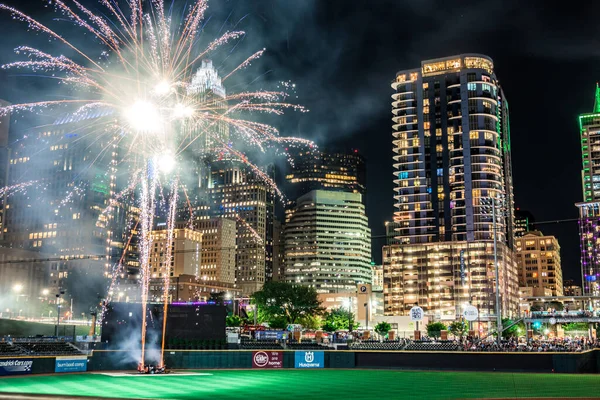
434, 329
458, 328
288, 301
339, 319
383, 328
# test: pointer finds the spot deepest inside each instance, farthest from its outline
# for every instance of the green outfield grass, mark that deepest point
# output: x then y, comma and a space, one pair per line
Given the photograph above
311, 384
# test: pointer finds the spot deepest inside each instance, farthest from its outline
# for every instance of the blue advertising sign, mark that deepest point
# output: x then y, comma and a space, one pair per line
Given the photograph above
270, 335
70, 364
15, 366
309, 359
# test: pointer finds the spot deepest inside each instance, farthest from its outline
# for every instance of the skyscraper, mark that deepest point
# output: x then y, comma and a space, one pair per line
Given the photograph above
313, 169
452, 156
452, 148
69, 179
589, 209
328, 242
235, 192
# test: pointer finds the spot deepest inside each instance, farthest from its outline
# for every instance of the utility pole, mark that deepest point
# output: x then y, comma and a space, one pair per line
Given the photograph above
498, 315
491, 201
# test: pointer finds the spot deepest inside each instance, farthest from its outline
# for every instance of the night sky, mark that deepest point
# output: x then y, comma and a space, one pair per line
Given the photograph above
343, 54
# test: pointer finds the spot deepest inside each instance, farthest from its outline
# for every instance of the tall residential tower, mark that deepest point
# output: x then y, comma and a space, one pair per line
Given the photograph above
452, 157
589, 209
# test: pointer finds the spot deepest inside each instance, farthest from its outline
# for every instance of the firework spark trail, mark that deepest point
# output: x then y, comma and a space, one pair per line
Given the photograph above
250, 229
167, 262
18, 188
148, 205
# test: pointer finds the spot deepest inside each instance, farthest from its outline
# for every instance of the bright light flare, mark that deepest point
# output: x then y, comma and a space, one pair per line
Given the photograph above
143, 116
163, 88
182, 111
165, 162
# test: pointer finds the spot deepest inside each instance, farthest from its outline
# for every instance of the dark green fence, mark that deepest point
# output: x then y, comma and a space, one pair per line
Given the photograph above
587, 362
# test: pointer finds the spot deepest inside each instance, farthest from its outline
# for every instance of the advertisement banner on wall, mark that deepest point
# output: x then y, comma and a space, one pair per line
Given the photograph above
15, 366
310, 359
70, 364
267, 359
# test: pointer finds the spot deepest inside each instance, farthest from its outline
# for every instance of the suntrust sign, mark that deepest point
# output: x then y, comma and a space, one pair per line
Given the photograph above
15, 366
267, 359
310, 359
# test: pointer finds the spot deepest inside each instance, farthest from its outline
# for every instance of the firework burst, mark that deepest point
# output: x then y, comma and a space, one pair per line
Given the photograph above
156, 102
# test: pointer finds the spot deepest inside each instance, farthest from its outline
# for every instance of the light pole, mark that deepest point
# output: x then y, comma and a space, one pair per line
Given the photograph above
60, 292
491, 203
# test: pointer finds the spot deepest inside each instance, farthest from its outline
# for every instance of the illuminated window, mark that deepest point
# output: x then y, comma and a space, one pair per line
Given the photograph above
471, 86
473, 135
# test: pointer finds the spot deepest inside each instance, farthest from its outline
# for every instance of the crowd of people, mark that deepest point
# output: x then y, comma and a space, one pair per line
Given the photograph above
538, 346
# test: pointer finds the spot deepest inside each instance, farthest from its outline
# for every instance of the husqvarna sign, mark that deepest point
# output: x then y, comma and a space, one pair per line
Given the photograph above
310, 359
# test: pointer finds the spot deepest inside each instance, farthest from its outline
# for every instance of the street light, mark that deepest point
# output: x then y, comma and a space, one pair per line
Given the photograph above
487, 205
60, 292
17, 288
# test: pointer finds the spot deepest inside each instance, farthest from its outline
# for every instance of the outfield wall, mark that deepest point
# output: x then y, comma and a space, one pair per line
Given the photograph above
105, 360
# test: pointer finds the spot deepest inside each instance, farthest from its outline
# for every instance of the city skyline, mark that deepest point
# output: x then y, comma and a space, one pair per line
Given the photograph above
322, 76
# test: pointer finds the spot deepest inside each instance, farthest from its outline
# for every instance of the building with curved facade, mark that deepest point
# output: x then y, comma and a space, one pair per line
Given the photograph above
452, 158
451, 145
328, 242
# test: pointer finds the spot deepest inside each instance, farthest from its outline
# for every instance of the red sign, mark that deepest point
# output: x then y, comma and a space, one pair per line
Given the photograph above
267, 359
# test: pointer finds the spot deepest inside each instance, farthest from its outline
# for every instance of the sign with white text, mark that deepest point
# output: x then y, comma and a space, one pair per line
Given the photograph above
267, 359
15, 366
310, 359
70, 364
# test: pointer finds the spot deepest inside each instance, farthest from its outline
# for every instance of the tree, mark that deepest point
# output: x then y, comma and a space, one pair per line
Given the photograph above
383, 328
339, 319
575, 326
312, 322
515, 330
458, 328
434, 329
277, 322
233, 321
281, 299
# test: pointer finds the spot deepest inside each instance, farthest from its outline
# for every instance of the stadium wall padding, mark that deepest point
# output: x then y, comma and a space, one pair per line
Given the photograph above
586, 362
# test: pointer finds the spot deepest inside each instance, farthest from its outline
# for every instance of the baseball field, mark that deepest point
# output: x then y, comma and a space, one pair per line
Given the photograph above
307, 384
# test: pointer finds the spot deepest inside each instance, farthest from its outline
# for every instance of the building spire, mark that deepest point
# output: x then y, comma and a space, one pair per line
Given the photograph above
597, 99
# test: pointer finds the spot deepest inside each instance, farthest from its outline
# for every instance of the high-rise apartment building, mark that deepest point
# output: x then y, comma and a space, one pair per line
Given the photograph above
452, 157
524, 220
328, 242
538, 259
313, 169
452, 149
589, 209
